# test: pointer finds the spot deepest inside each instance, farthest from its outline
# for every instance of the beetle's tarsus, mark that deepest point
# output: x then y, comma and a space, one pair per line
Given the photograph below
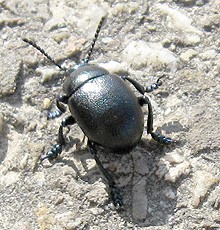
154, 85
62, 99
162, 139
51, 155
54, 114
116, 197
141, 88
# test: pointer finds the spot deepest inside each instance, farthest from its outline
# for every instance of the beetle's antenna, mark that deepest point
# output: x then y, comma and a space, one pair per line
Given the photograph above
86, 60
43, 52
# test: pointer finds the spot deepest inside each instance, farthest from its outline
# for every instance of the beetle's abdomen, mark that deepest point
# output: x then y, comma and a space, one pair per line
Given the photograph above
108, 112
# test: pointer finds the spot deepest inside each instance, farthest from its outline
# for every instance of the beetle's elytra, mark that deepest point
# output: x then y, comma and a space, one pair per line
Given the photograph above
105, 108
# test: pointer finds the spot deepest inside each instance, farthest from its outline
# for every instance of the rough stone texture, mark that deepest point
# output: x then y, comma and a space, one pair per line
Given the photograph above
173, 187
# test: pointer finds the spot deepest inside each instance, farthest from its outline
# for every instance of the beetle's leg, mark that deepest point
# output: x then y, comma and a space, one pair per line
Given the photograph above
51, 155
159, 138
154, 85
138, 86
59, 102
141, 88
114, 192
144, 100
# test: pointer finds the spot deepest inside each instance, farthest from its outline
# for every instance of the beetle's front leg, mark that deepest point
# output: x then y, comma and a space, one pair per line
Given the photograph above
154, 85
114, 192
51, 155
62, 109
141, 88
157, 137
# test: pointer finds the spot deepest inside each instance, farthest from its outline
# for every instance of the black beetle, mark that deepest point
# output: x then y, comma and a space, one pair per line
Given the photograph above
105, 108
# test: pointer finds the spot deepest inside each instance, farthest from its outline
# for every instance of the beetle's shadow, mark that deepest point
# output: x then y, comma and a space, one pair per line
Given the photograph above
4, 142
82, 155
159, 205
160, 194
91, 173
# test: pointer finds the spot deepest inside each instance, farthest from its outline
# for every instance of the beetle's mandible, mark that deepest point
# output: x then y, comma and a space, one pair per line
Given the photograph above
105, 108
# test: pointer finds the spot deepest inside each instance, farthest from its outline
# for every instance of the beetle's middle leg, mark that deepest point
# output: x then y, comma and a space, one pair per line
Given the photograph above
51, 155
144, 100
115, 193
157, 137
62, 109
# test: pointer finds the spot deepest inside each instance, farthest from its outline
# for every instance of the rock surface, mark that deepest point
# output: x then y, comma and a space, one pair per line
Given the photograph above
173, 187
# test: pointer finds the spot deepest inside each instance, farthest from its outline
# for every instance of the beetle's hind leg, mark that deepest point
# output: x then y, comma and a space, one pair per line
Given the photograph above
157, 137
114, 192
51, 155
62, 109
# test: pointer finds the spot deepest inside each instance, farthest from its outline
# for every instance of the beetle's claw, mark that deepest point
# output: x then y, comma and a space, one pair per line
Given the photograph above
116, 197
118, 204
162, 139
43, 158
49, 155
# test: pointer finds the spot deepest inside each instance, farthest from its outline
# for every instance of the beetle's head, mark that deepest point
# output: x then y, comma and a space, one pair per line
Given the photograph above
81, 74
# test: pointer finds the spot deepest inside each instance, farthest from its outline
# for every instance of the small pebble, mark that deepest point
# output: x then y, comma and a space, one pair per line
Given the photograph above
203, 181
46, 103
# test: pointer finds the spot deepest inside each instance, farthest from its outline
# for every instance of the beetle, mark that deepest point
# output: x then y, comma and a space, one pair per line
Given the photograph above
105, 108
